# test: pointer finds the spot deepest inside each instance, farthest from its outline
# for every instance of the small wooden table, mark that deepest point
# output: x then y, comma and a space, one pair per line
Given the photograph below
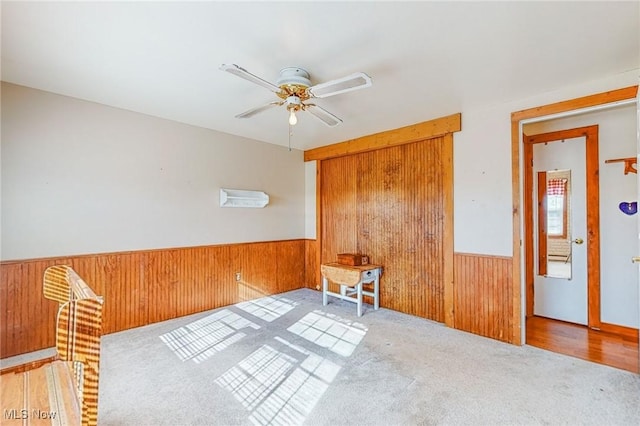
351, 279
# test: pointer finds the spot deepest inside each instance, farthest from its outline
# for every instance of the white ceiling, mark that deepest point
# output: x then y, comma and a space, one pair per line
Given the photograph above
427, 59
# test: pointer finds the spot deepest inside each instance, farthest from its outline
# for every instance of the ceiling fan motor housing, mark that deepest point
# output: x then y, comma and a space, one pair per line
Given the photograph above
294, 81
293, 76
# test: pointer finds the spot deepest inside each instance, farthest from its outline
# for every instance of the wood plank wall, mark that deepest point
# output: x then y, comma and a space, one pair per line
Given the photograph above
387, 195
483, 295
312, 267
144, 287
389, 204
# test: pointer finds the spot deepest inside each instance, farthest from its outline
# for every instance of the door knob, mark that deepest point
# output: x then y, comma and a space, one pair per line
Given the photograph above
635, 259
578, 241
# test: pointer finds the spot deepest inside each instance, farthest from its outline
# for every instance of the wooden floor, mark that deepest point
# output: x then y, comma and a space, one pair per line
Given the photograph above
581, 342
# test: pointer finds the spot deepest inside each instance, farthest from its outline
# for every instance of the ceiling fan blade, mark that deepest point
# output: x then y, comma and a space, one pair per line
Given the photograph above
324, 115
259, 109
351, 82
242, 73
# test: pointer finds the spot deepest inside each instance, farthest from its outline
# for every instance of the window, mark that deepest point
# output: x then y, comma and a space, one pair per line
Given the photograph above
557, 208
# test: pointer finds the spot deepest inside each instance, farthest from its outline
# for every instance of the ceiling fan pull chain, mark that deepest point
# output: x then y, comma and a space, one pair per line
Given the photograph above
290, 133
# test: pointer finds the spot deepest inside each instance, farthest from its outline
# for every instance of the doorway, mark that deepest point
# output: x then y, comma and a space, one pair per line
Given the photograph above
578, 107
562, 245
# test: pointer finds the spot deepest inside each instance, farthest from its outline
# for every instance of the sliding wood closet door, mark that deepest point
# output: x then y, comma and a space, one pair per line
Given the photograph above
389, 204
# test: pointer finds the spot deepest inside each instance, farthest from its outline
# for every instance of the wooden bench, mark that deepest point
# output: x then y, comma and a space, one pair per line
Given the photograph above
61, 390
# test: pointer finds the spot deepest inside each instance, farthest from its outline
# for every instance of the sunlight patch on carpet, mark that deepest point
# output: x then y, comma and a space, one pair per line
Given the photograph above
330, 331
203, 338
268, 308
279, 388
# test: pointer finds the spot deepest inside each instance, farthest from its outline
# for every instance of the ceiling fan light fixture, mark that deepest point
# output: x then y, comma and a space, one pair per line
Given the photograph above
294, 89
293, 104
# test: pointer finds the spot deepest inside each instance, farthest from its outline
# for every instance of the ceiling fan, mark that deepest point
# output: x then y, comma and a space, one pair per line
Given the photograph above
294, 90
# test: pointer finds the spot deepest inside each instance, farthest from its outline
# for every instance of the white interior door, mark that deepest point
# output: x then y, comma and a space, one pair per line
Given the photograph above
564, 298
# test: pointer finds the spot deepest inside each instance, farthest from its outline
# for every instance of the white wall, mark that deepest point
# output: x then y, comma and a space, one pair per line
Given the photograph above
618, 231
80, 177
482, 167
310, 200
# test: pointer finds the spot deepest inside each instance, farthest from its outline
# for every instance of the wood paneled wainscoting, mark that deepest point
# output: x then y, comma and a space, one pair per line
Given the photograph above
483, 295
143, 287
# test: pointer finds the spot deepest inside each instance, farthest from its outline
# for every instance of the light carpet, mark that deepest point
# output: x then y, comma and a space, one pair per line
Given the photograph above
286, 359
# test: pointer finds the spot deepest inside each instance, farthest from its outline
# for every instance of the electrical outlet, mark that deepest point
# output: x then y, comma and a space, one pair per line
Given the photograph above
238, 276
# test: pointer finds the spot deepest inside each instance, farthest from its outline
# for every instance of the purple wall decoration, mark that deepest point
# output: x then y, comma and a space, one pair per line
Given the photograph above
629, 208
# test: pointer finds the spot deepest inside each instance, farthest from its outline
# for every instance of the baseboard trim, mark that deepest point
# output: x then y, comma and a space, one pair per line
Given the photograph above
620, 330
